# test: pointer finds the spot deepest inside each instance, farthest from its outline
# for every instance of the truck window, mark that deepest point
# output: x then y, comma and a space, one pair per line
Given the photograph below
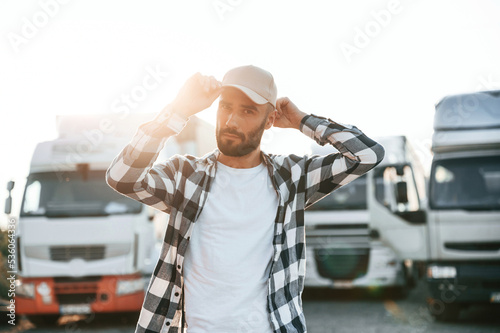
466, 183
351, 196
48, 194
385, 189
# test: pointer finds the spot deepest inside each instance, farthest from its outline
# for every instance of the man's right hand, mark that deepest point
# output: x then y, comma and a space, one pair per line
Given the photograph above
197, 94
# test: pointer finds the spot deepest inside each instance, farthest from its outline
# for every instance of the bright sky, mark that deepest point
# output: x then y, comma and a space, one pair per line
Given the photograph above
380, 65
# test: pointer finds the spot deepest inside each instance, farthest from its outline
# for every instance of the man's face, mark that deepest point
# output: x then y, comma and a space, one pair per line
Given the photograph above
240, 123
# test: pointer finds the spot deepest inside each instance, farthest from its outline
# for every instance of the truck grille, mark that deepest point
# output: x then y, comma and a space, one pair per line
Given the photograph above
341, 250
76, 290
342, 264
68, 253
486, 270
76, 298
338, 235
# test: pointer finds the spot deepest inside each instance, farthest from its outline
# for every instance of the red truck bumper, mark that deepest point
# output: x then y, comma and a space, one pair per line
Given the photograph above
86, 295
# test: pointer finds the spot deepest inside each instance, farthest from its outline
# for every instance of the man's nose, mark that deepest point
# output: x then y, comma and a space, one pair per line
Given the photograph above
232, 121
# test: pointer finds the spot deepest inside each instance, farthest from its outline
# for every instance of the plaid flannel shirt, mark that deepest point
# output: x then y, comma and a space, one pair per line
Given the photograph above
179, 186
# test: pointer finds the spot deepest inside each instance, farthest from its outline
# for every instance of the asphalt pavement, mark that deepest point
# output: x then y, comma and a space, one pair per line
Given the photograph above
326, 311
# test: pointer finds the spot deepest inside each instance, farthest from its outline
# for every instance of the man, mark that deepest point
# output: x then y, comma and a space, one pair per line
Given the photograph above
233, 257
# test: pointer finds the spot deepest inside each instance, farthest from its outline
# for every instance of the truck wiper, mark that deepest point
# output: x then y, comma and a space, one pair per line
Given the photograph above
55, 214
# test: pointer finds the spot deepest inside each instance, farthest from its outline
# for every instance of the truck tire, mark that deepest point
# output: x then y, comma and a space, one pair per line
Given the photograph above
449, 313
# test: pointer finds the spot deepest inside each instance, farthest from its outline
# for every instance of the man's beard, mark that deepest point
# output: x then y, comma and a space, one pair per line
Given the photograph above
248, 143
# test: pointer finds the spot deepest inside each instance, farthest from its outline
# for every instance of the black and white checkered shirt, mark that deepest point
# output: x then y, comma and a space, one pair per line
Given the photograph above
179, 187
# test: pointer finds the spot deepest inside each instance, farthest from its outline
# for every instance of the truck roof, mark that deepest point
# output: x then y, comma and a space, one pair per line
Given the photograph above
96, 139
467, 121
396, 149
64, 154
479, 110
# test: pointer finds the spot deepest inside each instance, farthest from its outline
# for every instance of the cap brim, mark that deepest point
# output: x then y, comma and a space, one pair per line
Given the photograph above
258, 99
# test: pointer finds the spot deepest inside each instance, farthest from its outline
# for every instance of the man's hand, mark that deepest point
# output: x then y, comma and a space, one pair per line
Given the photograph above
288, 114
197, 94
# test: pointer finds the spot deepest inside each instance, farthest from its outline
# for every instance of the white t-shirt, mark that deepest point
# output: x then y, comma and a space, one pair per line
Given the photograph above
228, 259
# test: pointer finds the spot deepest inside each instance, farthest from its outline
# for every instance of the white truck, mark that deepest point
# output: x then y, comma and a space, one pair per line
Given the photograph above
83, 248
460, 240
344, 250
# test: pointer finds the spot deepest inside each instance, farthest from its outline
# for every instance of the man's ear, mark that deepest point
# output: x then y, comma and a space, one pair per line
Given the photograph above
270, 119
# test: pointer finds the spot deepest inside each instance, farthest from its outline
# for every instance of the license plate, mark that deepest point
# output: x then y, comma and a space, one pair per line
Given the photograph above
75, 309
342, 284
495, 297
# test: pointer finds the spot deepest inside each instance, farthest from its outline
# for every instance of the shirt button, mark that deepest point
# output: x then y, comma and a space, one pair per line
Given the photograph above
179, 266
176, 294
168, 323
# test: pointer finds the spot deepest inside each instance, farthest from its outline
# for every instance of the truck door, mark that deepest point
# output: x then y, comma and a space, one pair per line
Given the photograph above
396, 208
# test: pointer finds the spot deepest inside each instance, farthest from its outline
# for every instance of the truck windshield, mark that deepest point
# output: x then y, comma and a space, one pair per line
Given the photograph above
466, 183
72, 194
348, 197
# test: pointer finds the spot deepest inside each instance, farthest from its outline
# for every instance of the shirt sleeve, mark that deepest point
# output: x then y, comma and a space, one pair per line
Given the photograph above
357, 154
132, 173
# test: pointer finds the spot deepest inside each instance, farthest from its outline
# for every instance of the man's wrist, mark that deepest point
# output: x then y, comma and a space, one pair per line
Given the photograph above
299, 120
177, 110
182, 110
303, 121
171, 118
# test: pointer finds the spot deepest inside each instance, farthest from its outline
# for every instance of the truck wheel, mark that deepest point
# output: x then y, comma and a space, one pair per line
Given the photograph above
43, 320
398, 293
449, 312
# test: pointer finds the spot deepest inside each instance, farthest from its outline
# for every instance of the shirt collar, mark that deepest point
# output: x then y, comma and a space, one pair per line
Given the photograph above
212, 157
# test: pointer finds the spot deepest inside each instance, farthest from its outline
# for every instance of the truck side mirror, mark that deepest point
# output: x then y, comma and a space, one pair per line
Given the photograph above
10, 185
401, 192
8, 201
8, 204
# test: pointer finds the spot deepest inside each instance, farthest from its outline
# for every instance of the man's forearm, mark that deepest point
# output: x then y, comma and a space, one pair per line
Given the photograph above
357, 154
347, 139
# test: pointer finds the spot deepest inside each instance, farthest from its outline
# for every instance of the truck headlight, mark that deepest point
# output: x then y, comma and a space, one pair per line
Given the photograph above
125, 287
441, 272
25, 289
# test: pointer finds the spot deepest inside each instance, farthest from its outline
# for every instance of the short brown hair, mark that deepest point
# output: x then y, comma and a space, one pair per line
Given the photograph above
270, 108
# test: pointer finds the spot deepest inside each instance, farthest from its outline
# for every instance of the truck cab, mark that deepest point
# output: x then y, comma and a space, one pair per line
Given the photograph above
343, 240
457, 231
464, 204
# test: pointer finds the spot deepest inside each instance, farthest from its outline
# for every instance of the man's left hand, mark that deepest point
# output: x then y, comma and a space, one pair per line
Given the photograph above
288, 114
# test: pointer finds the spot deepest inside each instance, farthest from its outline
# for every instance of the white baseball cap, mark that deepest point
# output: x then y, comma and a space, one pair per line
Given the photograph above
257, 83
